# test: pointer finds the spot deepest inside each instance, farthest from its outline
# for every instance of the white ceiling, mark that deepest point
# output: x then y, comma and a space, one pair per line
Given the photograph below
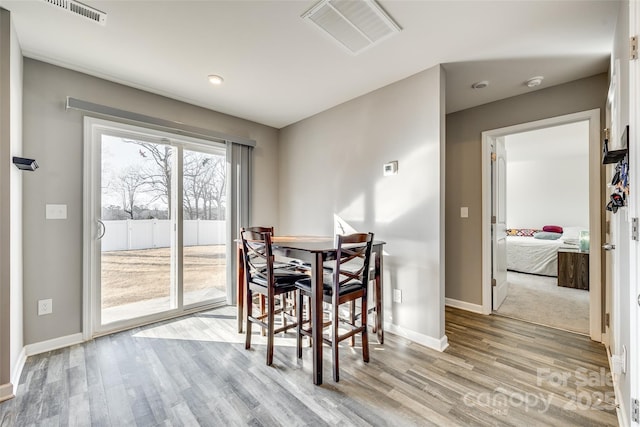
278, 69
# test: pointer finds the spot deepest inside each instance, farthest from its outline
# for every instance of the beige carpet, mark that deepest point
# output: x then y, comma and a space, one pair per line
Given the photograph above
539, 299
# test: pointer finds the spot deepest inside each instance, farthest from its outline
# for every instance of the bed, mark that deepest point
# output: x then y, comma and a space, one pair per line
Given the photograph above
527, 254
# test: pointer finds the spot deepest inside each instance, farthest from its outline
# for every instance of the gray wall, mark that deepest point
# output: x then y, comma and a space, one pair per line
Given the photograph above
10, 205
53, 267
464, 170
332, 165
533, 199
16, 314
5, 164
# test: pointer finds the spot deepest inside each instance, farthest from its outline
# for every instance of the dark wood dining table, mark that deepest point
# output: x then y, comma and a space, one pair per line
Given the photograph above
315, 251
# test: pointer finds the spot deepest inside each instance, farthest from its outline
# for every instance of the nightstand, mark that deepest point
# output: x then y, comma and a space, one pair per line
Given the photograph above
573, 268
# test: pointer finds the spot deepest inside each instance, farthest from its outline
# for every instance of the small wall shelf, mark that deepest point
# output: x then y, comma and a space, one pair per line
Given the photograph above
613, 156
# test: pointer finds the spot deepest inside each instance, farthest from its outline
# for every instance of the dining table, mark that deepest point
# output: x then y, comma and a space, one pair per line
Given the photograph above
315, 251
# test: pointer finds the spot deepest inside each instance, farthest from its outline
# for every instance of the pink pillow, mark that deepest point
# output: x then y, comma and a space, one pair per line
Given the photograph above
552, 228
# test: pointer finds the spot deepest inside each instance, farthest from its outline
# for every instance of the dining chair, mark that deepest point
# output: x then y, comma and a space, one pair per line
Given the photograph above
262, 278
346, 282
280, 268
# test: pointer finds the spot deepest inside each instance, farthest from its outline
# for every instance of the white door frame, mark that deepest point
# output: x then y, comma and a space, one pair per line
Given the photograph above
499, 210
595, 207
634, 209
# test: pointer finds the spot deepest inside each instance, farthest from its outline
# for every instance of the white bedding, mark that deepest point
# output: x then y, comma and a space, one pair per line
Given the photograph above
531, 255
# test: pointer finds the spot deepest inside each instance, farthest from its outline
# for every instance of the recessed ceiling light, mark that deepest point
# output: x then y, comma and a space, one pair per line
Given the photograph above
215, 79
534, 81
480, 85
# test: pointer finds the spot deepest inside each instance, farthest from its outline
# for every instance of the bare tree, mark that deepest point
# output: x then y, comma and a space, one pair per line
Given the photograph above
128, 184
204, 185
204, 180
194, 173
217, 191
156, 172
113, 212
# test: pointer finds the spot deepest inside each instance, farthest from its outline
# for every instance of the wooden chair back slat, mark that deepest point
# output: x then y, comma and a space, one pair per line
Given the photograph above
349, 255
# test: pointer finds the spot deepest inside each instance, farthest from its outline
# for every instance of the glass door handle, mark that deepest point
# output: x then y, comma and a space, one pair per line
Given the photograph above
103, 229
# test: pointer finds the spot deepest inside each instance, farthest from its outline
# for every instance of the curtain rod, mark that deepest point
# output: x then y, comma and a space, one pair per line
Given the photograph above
181, 128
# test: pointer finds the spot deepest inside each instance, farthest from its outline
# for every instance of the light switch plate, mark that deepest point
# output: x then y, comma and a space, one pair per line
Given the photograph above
45, 306
56, 211
464, 212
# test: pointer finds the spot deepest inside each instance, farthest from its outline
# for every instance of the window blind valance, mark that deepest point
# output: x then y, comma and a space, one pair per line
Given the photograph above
161, 124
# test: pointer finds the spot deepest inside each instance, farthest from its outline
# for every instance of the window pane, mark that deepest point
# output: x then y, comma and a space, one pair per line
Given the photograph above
136, 246
204, 226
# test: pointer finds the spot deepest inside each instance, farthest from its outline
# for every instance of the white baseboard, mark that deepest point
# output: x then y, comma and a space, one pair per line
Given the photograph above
54, 344
17, 370
425, 340
621, 411
463, 305
6, 392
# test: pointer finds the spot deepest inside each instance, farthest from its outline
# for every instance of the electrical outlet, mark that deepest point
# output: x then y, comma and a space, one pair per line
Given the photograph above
397, 295
45, 306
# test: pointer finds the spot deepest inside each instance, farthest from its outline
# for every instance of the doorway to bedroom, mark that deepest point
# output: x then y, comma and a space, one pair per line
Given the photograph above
547, 207
545, 190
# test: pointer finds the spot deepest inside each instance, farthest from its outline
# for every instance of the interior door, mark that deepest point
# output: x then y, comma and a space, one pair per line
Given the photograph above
499, 222
613, 222
608, 279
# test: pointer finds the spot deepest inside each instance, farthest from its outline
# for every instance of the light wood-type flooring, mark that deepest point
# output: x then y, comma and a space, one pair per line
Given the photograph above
194, 371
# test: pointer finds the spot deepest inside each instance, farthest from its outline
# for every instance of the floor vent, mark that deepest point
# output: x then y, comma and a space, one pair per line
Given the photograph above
355, 24
80, 9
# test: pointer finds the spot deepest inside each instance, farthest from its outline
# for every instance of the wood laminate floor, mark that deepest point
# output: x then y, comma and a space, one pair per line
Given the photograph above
195, 371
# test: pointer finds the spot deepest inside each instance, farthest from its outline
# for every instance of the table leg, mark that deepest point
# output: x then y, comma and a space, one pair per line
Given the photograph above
316, 317
240, 287
378, 283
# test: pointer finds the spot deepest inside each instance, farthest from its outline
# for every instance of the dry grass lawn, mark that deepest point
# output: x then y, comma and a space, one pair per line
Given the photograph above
138, 275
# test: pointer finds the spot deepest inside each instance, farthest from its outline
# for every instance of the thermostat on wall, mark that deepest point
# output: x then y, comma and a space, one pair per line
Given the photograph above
390, 168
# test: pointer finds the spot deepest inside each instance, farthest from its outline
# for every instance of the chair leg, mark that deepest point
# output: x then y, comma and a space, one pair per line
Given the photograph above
289, 297
247, 312
270, 327
374, 328
283, 304
262, 312
299, 327
334, 342
309, 338
365, 334
352, 319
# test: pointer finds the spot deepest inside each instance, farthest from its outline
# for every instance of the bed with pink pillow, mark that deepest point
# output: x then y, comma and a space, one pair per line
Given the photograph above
535, 250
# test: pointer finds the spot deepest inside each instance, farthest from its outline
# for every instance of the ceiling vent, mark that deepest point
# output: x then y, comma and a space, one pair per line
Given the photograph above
355, 24
80, 9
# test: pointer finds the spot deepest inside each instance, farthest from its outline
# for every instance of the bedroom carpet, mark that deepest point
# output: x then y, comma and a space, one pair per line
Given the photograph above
540, 300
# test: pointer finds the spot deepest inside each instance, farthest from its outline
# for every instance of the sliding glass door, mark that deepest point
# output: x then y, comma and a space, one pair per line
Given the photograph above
156, 223
135, 216
204, 225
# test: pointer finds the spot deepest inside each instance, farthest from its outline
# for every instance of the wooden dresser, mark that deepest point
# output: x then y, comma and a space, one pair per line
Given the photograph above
573, 268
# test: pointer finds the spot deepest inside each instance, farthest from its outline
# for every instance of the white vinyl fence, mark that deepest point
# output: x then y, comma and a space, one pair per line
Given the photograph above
156, 233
